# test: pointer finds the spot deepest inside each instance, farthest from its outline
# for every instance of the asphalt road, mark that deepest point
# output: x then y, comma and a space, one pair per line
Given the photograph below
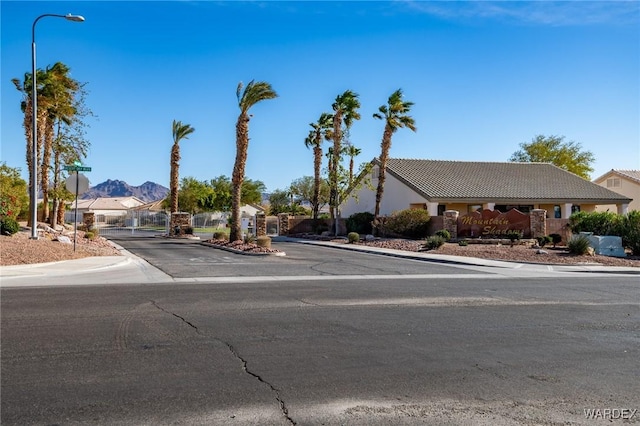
188, 259
441, 350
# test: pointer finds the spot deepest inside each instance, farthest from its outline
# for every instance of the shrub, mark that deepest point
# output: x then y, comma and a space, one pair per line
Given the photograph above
543, 241
90, 235
631, 231
555, 238
444, 234
463, 243
360, 223
514, 236
600, 223
188, 230
9, 226
249, 239
411, 223
220, 235
263, 241
579, 244
353, 237
433, 242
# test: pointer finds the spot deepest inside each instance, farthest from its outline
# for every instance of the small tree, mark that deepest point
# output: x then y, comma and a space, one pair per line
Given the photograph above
552, 149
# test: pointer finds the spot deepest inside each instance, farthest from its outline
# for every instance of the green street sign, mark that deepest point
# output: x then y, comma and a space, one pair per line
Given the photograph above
77, 168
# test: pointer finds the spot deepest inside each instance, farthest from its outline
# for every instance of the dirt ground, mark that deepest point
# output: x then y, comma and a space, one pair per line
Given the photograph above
20, 249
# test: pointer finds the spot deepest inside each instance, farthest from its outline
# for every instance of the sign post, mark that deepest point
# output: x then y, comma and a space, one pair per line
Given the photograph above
78, 184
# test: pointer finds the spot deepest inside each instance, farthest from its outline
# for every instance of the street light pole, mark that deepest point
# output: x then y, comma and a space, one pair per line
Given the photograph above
34, 123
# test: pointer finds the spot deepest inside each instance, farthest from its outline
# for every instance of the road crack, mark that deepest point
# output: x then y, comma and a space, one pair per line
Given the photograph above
153, 302
245, 368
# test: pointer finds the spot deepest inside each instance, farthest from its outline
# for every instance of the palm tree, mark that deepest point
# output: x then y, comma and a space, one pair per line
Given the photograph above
58, 93
180, 131
251, 95
320, 130
395, 115
345, 109
352, 152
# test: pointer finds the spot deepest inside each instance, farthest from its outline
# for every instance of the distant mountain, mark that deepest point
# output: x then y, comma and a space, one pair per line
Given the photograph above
147, 192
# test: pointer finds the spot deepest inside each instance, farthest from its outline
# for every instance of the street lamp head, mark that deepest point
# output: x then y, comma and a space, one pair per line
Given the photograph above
75, 18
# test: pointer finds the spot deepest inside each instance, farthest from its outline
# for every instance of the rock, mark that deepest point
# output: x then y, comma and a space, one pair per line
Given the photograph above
540, 251
369, 237
63, 239
591, 251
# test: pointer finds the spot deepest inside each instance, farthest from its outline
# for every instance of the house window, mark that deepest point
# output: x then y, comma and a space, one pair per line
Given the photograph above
441, 209
613, 183
418, 206
575, 209
474, 208
557, 212
375, 173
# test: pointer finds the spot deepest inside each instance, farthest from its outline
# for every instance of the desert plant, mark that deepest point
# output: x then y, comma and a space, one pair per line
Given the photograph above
9, 226
411, 223
514, 236
263, 241
544, 240
249, 239
360, 223
218, 235
90, 235
579, 245
353, 237
433, 242
444, 234
555, 239
463, 243
188, 230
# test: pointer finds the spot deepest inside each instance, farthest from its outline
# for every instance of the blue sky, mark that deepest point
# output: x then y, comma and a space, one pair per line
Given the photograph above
484, 77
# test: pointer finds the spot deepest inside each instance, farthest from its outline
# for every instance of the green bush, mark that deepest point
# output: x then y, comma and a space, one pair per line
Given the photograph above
579, 244
90, 235
433, 242
555, 239
600, 223
444, 234
543, 241
631, 231
410, 223
9, 226
463, 243
360, 223
353, 237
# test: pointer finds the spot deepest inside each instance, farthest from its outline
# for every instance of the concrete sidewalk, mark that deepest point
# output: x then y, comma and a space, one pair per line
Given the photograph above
128, 268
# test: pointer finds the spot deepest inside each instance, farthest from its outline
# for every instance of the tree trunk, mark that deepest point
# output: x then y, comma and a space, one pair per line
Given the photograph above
47, 147
242, 146
317, 163
175, 162
386, 145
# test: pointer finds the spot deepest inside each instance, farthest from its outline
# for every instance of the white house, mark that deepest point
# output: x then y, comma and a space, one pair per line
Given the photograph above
467, 186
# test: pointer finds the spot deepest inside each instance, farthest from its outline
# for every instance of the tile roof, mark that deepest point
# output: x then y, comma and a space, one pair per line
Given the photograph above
633, 175
497, 182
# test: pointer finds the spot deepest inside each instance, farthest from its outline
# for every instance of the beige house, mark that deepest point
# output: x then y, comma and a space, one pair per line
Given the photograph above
102, 207
625, 182
467, 186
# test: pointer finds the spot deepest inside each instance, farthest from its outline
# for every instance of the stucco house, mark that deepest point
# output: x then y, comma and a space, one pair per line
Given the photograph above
467, 186
102, 207
625, 182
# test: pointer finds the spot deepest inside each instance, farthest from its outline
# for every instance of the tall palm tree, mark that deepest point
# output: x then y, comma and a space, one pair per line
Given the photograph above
58, 94
253, 93
345, 111
321, 130
395, 116
180, 131
352, 152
